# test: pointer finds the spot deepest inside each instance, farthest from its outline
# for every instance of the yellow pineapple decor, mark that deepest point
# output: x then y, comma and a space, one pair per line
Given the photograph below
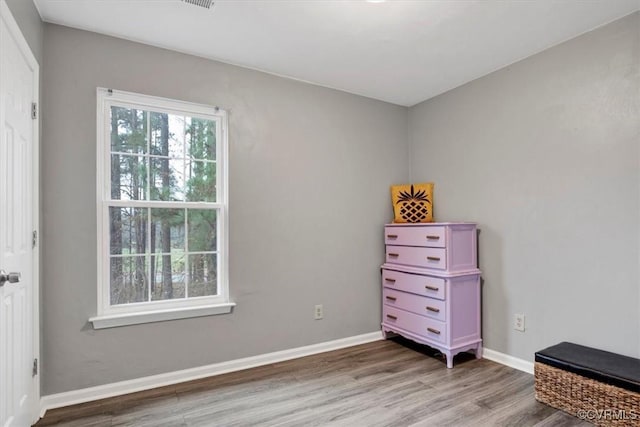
412, 203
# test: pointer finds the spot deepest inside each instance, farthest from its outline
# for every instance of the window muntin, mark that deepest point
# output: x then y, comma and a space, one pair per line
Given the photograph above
163, 206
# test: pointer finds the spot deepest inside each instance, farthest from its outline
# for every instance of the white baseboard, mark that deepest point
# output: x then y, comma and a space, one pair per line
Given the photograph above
505, 359
74, 397
89, 394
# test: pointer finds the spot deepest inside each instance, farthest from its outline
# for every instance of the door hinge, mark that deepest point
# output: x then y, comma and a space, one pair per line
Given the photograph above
34, 239
34, 110
34, 372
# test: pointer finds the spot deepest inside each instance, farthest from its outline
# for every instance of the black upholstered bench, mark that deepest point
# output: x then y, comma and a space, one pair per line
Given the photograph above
595, 385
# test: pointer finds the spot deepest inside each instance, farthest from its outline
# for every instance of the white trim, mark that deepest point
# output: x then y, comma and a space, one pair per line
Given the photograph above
131, 386
164, 204
36, 228
171, 106
115, 320
508, 360
100, 192
90, 394
223, 218
16, 33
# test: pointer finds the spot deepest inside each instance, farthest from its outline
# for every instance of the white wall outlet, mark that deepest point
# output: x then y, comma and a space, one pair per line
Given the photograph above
518, 322
318, 312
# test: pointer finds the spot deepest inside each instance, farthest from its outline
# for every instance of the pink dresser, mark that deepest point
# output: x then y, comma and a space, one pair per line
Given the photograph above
431, 286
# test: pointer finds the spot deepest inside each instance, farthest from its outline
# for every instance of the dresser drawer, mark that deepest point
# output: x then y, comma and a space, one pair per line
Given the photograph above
410, 322
415, 283
424, 306
431, 236
420, 257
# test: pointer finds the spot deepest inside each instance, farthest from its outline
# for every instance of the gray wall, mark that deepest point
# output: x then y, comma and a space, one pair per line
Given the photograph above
544, 154
28, 19
309, 178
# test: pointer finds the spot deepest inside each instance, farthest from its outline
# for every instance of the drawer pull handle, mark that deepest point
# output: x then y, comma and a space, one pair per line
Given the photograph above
387, 279
433, 258
393, 255
392, 236
433, 237
391, 298
431, 288
434, 331
392, 317
435, 310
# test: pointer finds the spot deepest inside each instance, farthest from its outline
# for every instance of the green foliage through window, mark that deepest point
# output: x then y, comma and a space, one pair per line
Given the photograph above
159, 253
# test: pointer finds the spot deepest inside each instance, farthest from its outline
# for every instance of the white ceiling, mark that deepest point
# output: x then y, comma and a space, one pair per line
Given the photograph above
398, 51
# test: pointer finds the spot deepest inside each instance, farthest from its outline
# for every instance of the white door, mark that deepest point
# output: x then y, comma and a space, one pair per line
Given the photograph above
17, 350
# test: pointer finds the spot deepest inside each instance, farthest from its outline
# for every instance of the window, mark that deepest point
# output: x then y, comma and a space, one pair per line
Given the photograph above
162, 207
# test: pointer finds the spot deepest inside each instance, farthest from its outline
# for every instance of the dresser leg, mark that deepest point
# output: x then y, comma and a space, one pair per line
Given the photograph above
449, 357
479, 351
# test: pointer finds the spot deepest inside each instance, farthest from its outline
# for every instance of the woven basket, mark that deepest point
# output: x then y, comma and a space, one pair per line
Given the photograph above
586, 398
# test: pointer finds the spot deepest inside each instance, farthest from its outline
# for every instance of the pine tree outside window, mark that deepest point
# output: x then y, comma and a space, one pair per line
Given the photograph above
162, 209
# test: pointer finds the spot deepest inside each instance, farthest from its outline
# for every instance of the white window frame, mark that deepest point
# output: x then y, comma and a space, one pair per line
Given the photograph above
152, 311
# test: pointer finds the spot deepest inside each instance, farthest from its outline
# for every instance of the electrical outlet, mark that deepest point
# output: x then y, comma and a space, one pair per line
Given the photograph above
318, 313
518, 322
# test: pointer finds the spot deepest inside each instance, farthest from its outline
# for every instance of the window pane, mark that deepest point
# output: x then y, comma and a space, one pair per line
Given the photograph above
167, 179
167, 135
128, 177
128, 276
203, 275
167, 230
201, 181
168, 276
128, 130
128, 228
201, 139
202, 230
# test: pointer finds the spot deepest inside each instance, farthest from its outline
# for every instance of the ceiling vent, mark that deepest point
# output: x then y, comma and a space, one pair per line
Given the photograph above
202, 3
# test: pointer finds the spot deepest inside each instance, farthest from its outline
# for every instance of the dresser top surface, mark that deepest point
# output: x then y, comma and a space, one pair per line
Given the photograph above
427, 224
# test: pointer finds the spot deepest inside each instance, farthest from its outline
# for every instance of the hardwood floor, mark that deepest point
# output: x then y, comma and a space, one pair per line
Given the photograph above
385, 383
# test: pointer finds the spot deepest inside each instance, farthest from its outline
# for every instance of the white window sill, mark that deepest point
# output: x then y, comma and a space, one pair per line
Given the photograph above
115, 320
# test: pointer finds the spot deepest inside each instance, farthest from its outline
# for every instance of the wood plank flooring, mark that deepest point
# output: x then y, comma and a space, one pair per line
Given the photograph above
385, 383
